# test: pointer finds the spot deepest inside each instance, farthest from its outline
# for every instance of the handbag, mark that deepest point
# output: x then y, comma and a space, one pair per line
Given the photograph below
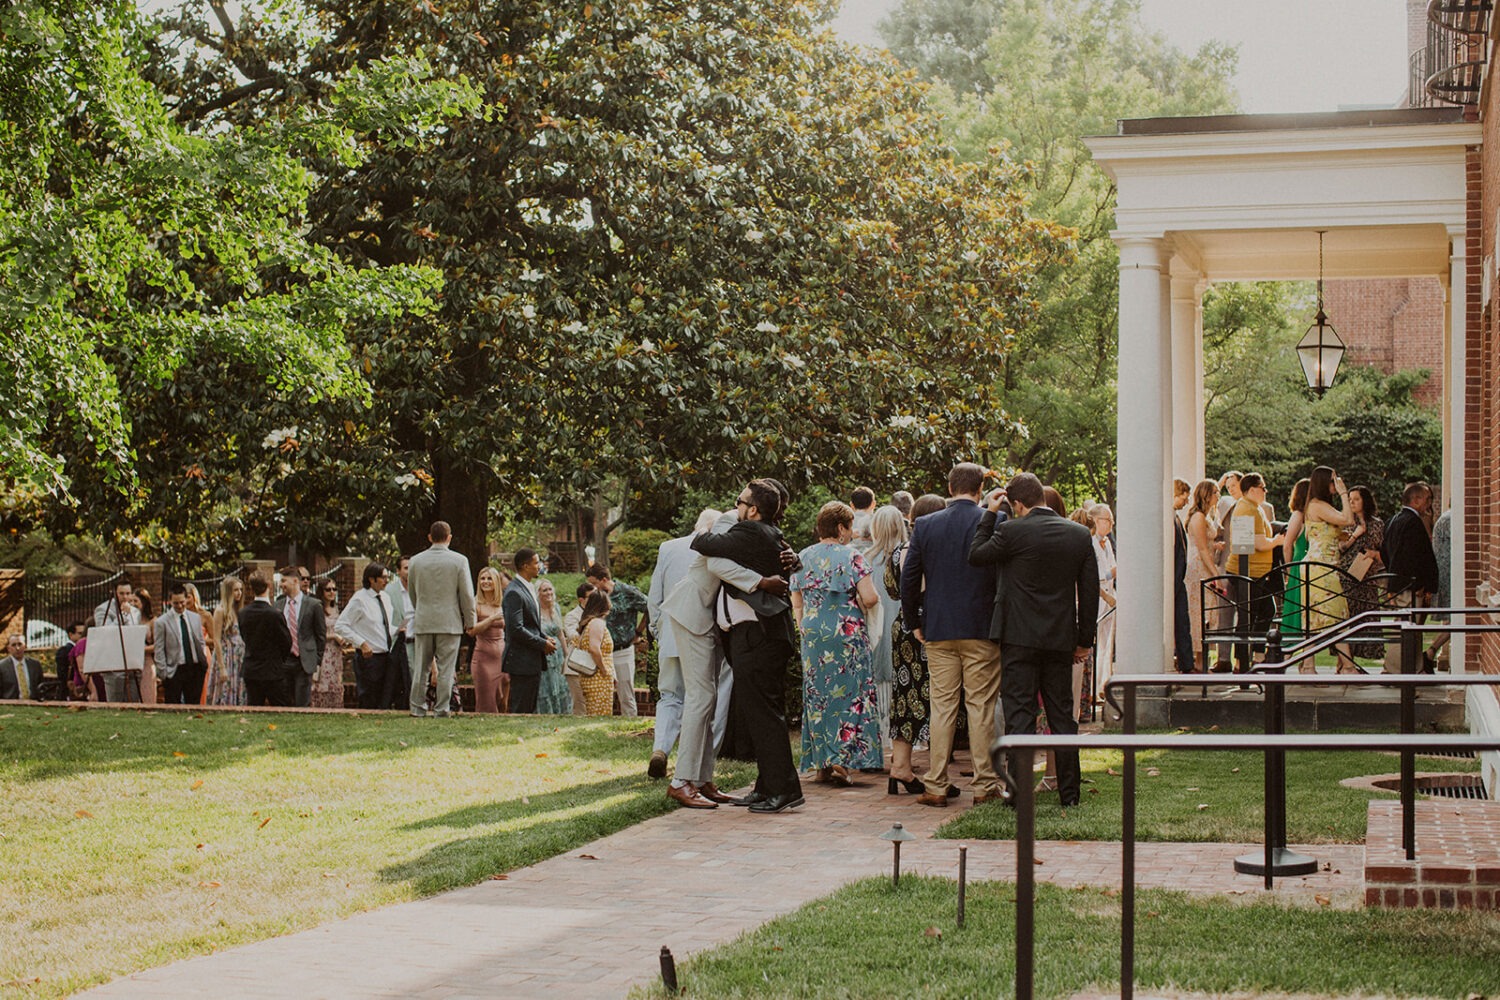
1362, 564
580, 663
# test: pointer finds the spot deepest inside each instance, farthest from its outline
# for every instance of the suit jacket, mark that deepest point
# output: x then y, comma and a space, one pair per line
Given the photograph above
168, 639
1179, 550
1407, 553
690, 604
756, 545
672, 562
959, 598
1048, 591
525, 645
268, 642
312, 631
10, 687
441, 592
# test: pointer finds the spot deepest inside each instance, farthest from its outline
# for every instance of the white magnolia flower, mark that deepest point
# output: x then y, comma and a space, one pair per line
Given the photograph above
532, 275
647, 346
408, 481
274, 439
529, 312
971, 256
755, 235
793, 361
573, 327
903, 420
766, 326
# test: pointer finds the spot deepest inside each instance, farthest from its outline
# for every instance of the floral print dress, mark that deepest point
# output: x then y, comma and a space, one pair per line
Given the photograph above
840, 715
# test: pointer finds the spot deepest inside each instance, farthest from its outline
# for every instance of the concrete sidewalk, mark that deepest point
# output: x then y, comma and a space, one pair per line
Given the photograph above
590, 924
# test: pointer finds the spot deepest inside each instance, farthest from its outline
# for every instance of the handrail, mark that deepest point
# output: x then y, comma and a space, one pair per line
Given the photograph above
1378, 619
1014, 756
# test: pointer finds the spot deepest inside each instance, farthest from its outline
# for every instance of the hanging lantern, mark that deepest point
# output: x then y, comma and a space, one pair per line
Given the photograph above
1320, 350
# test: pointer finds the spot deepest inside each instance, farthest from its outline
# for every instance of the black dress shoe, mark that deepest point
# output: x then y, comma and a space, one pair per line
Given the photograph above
751, 799
779, 803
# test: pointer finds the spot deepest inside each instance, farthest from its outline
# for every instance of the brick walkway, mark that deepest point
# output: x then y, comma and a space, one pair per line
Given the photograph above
590, 924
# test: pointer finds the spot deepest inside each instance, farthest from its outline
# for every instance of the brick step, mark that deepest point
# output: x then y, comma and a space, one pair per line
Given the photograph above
1458, 856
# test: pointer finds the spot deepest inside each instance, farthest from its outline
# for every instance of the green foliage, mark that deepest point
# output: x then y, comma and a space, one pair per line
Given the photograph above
944, 40
632, 553
799, 523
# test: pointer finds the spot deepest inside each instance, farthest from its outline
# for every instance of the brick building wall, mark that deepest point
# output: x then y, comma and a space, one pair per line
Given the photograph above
1481, 392
1393, 324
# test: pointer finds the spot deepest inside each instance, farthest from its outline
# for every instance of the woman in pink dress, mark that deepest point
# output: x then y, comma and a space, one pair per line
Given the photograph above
490, 687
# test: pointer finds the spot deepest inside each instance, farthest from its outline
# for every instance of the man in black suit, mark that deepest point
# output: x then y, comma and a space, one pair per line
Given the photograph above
64, 656
20, 675
1045, 607
1182, 627
309, 635
952, 601
761, 639
267, 644
526, 648
1407, 555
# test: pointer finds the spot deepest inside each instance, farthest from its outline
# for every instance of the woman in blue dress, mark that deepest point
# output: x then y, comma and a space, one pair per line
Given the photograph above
840, 714
553, 696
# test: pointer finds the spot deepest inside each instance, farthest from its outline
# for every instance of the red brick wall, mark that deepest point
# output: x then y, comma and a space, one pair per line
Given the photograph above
1479, 399
1393, 324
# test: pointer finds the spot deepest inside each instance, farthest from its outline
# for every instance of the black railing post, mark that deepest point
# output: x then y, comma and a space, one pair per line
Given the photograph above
1127, 859
1021, 762
1411, 642
1243, 654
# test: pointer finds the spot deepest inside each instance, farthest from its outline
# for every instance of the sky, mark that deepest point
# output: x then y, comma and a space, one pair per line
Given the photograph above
1295, 55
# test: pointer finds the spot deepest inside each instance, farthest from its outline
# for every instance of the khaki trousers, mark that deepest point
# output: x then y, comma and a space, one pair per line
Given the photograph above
1393, 649
974, 666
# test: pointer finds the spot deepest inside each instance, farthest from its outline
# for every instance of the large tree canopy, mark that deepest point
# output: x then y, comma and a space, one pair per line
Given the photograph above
679, 242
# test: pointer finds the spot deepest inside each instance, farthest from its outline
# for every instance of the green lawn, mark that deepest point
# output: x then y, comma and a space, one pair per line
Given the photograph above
129, 839
1212, 796
867, 940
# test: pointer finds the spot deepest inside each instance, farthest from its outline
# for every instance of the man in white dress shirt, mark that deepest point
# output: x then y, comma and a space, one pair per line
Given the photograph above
368, 623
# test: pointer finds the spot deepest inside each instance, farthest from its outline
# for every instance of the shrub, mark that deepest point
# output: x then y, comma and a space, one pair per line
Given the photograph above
632, 553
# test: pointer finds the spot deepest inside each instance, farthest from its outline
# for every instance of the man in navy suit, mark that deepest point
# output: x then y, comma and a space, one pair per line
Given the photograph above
526, 648
951, 602
1407, 555
1045, 610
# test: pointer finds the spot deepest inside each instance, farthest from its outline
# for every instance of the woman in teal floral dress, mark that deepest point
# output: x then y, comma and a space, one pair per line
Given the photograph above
840, 714
553, 697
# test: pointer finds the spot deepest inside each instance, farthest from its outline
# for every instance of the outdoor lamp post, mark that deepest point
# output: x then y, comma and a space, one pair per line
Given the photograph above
896, 835
1320, 350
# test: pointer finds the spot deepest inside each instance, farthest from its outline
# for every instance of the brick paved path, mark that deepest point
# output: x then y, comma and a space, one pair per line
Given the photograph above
592, 927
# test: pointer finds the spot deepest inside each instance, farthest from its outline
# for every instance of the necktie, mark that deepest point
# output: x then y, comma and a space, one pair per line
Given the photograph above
385, 621
189, 653
23, 678
291, 622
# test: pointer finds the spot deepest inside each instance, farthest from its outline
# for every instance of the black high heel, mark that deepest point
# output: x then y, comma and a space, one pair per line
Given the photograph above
913, 787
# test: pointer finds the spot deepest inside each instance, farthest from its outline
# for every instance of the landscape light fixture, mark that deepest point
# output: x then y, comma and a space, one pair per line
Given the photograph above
1320, 350
897, 835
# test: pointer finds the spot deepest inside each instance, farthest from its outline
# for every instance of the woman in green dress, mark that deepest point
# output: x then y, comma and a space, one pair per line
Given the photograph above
840, 712
553, 697
1293, 551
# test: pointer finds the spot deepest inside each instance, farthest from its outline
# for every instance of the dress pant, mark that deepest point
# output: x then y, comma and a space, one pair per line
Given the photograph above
1262, 609
1404, 599
624, 664
270, 691
699, 656
575, 690
758, 663
668, 703
1029, 672
185, 686
375, 679
298, 683
441, 647
962, 673
523, 692
1182, 628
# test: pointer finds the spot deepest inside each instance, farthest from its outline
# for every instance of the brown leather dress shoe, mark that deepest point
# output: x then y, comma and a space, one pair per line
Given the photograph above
711, 792
938, 799
980, 798
688, 796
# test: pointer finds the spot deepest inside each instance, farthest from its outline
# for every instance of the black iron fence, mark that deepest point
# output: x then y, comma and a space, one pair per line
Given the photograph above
59, 601
209, 587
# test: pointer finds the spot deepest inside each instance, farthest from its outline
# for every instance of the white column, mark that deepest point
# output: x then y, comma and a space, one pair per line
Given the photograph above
1187, 380
1200, 436
1142, 640
1455, 410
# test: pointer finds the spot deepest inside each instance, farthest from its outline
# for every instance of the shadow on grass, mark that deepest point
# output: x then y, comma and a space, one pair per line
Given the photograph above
532, 805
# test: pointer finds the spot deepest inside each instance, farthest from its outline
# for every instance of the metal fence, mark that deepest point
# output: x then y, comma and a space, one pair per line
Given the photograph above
62, 600
208, 587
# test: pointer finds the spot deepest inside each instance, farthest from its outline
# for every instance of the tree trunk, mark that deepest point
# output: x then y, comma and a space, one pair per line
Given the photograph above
463, 500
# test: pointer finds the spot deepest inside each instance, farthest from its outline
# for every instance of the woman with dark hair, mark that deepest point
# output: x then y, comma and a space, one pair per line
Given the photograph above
593, 636
328, 682
142, 599
910, 689
1293, 551
840, 710
1365, 535
1325, 591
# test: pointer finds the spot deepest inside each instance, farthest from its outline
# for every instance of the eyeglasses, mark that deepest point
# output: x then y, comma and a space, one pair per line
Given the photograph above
743, 503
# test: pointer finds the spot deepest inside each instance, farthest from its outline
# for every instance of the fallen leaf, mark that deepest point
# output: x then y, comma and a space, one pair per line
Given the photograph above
84, 814
208, 885
1322, 900
1152, 914
271, 726
1202, 806
114, 736
1327, 867
1093, 791
329, 875
1193, 789
200, 847
499, 878
587, 857
263, 823
932, 932
1234, 770
1111, 893
525, 801
1036, 861
540, 755
774, 947
1153, 772
403, 742
1112, 772
1236, 892
178, 753
196, 785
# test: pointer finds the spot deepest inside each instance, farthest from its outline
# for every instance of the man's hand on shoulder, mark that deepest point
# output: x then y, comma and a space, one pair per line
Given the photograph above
790, 563
773, 585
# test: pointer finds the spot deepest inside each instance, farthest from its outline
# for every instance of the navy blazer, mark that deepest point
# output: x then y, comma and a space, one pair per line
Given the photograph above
959, 599
1407, 553
525, 645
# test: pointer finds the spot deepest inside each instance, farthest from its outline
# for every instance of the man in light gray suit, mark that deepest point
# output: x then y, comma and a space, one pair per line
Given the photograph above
442, 600
689, 612
672, 562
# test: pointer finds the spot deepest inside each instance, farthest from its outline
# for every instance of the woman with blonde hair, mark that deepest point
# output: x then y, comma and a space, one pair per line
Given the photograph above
552, 696
491, 687
593, 636
1104, 555
226, 682
887, 533
1202, 531
1326, 606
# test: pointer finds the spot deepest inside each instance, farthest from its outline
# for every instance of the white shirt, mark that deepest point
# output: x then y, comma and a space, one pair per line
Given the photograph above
105, 613
1104, 555
359, 622
731, 611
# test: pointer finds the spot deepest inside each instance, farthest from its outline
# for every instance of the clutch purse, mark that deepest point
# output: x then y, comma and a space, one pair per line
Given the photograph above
580, 663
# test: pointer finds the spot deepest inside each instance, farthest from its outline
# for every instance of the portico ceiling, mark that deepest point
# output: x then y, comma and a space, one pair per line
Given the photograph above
1241, 197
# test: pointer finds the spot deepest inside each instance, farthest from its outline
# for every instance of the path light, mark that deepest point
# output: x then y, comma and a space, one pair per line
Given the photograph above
669, 971
1320, 350
963, 879
896, 835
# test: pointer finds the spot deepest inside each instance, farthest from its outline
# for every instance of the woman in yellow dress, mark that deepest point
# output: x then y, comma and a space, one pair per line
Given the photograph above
1324, 526
598, 687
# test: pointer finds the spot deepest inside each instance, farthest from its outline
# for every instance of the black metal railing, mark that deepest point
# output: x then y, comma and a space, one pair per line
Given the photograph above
63, 600
208, 587
1014, 757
